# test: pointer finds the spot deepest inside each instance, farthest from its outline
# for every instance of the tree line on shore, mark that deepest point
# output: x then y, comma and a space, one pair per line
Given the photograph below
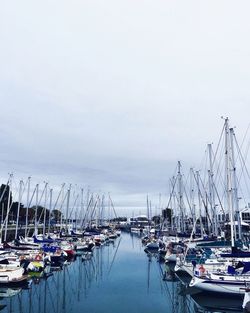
10, 207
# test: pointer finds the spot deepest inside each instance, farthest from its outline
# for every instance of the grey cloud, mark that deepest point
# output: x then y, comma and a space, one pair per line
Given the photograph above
112, 94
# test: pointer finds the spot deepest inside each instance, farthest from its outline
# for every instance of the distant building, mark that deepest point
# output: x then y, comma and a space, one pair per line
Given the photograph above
139, 221
245, 215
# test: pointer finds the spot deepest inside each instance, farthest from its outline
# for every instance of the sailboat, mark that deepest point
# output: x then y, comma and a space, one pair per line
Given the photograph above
233, 280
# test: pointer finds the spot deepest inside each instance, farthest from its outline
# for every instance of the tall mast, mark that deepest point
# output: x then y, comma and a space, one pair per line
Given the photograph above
85, 218
175, 217
36, 209
180, 199
192, 195
45, 210
82, 210
67, 208
2, 219
148, 210
199, 201
103, 209
18, 208
98, 211
235, 189
62, 201
8, 208
27, 208
50, 208
228, 181
211, 192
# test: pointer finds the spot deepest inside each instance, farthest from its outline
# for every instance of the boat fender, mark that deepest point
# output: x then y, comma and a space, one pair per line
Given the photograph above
202, 270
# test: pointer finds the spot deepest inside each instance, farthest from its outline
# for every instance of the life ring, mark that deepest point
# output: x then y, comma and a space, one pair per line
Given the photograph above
38, 257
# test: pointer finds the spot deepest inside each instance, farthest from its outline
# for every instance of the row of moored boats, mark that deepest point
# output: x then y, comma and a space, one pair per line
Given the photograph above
23, 257
212, 266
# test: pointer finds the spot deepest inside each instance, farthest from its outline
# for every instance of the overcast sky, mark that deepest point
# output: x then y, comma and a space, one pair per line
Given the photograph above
111, 94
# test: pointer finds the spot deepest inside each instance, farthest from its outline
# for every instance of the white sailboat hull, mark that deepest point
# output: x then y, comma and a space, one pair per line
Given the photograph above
11, 275
233, 285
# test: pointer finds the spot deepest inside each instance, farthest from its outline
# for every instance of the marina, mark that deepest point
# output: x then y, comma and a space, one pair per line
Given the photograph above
68, 250
75, 253
116, 276
124, 159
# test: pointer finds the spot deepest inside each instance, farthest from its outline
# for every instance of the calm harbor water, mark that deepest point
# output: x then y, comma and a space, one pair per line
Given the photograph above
119, 277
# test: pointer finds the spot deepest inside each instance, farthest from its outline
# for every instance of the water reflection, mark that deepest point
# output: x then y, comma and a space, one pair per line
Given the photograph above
212, 303
9, 292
